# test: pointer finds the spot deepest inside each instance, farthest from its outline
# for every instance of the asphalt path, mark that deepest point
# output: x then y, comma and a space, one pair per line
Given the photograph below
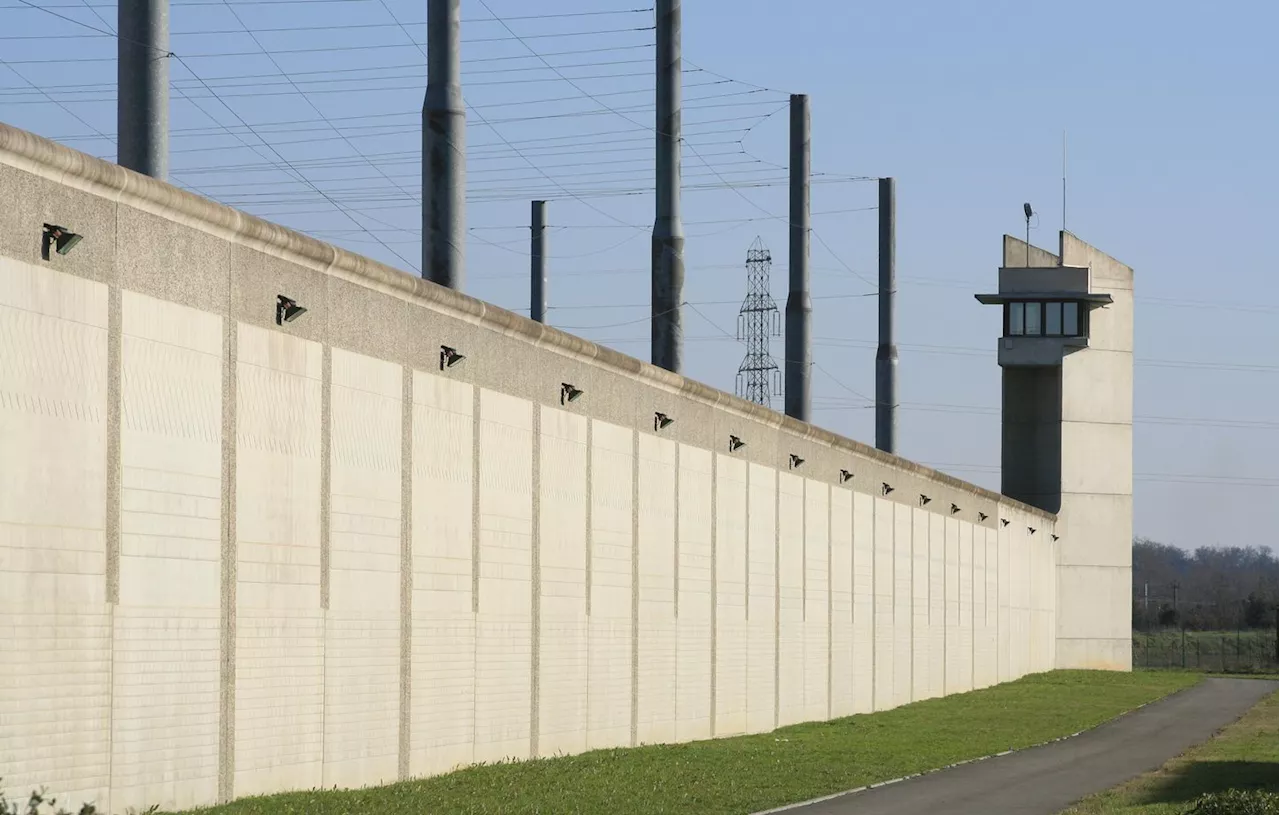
1045, 780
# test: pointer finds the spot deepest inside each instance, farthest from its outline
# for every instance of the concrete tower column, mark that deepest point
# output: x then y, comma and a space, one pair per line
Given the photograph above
142, 78
799, 341
444, 158
538, 262
887, 350
667, 261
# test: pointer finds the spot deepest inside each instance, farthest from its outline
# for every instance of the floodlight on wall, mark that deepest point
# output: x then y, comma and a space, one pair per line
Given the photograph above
62, 240
1055, 537
885, 489
449, 357
982, 516
1031, 530
1004, 521
287, 310
924, 500
796, 461
568, 393
662, 421
736, 444
845, 475
954, 509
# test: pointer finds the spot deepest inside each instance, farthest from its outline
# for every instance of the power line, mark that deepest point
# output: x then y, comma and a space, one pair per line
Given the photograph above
319, 50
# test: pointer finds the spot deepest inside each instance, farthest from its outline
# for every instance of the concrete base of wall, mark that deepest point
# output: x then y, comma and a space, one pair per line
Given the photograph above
1095, 654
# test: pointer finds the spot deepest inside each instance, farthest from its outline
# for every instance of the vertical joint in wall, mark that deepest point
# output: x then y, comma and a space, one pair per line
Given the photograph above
406, 571
227, 619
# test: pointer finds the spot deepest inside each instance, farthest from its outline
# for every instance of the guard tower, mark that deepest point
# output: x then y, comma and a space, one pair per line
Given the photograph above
1066, 356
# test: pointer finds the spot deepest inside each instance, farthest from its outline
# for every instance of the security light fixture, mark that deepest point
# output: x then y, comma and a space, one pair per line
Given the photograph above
449, 357
63, 240
885, 489
845, 475
736, 444
924, 499
568, 393
287, 310
1004, 521
1031, 530
661, 421
982, 516
954, 509
1026, 210
796, 461
1055, 537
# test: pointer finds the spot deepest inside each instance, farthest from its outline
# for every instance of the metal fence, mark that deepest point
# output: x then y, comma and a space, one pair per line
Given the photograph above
1244, 652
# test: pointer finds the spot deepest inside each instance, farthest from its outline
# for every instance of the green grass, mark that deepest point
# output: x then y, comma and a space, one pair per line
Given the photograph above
1242, 756
750, 773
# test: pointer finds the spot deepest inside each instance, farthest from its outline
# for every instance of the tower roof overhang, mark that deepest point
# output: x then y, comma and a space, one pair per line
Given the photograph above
1091, 298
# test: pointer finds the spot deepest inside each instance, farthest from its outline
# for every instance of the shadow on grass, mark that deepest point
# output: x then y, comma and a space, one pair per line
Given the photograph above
1213, 776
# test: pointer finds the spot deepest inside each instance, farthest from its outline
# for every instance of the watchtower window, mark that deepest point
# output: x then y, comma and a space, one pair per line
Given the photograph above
1054, 318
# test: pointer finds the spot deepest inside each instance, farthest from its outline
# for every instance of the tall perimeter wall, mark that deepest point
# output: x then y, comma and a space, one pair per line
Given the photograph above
238, 558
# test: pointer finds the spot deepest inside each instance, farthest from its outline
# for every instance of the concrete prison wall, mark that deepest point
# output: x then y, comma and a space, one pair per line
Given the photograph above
239, 558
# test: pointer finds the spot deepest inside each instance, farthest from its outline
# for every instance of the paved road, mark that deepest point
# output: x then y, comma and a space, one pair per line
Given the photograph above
1046, 780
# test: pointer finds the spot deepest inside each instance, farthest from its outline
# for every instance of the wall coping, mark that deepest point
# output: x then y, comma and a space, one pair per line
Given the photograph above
55, 162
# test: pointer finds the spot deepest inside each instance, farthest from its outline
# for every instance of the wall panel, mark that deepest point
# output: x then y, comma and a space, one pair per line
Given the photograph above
443, 669
791, 609
731, 596
609, 623
280, 627
504, 614
362, 635
938, 643
166, 674
693, 624
762, 554
842, 650
562, 584
863, 602
656, 666
920, 634
885, 644
817, 556
903, 611
53, 548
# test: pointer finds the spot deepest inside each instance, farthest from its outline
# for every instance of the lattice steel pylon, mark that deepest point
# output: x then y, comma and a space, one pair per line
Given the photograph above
758, 375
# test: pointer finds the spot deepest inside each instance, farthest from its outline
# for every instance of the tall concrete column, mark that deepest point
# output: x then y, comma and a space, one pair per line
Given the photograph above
799, 341
887, 351
142, 78
667, 261
444, 157
538, 262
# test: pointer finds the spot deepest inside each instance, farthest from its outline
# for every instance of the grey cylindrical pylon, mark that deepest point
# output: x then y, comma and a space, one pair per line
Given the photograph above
142, 95
799, 341
444, 159
887, 351
538, 262
667, 261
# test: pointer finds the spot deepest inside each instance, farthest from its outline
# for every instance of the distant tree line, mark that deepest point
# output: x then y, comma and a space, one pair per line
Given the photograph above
1210, 589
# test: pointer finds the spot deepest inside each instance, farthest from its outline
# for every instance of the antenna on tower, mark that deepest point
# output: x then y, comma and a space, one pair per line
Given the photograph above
758, 320
1064, 180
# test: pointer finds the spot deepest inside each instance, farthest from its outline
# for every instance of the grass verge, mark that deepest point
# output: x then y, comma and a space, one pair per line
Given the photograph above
750, 773
1242, 756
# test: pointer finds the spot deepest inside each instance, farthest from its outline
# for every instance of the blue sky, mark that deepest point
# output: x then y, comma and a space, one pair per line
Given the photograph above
1170, 119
